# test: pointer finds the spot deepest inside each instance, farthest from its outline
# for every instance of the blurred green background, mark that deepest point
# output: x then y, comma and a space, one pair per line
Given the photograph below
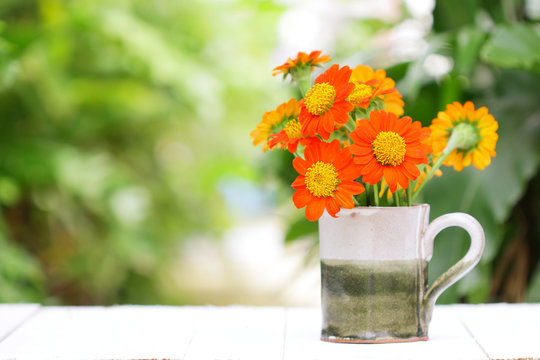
126, 170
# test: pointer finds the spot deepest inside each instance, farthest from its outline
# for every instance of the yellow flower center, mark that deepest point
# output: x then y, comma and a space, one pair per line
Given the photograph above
320, 98
293, 129
322, 179
389, 148
360, 92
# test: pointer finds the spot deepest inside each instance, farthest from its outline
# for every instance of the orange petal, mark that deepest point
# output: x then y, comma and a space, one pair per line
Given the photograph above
370, 167
326, 124
403, 180
363, 160
313, 153
415, 152
299, 182
344, 199
300, 165
342, 161
301, 198
412, 170
352, 187
331, 151
374, 176
351, 172
390, 176
332, 206
361, 149
315, 209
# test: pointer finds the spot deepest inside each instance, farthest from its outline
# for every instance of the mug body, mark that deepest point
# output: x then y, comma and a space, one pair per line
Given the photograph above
373, 275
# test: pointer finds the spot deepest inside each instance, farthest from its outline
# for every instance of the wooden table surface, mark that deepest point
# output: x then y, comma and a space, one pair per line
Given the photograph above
30, 331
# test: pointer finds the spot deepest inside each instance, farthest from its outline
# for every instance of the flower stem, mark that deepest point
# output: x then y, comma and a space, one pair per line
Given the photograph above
410, 192
429, 175
376, 194
463, 137
302, 77
396, 198
350, 125
368, 194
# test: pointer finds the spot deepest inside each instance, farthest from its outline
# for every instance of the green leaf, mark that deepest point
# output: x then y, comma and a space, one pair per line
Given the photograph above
9, 191
454, 14
300, 228
516, 47
21, 276
469, 41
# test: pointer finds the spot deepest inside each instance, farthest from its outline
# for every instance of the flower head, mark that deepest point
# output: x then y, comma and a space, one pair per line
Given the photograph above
325, 104
388, 146
273, 122
290, 137
470, 135
369, 85
301, 60
326, 179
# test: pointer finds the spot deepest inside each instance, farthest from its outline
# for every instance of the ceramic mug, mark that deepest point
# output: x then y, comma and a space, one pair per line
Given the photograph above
374, 269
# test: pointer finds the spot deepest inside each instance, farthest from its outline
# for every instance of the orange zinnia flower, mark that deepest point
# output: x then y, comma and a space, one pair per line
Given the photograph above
326, 102
302, 59
326, 179
371, 84
388, 146
273, 122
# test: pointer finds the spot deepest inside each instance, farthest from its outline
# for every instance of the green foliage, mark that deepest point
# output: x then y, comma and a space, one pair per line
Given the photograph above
119, 120
299, 228
20, 274
516, 47
454, 14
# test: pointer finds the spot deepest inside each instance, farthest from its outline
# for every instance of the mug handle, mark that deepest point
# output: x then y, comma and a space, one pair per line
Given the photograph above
463, 266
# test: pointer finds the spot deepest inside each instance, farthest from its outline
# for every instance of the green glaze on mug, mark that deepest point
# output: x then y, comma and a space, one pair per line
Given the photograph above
374, 264
373, 300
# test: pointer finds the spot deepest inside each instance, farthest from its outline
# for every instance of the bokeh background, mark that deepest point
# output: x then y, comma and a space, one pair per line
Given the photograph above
127, 174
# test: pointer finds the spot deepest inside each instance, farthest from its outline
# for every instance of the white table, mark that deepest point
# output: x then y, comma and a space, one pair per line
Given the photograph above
29, 331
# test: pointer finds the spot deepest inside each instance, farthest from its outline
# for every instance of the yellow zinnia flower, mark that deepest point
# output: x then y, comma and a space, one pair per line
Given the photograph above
467, 135
371, 84
273, 122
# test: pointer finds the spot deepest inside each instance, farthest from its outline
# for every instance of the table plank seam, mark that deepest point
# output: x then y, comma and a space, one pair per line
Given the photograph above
191, 338
20, 324
285, 318
473, 337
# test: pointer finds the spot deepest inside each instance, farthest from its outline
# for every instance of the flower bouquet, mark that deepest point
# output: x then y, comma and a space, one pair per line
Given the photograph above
357, 156
352, 144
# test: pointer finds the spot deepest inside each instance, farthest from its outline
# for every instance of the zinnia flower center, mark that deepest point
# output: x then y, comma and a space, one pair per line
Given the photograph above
360, 92
320, 98
389, 148
322, 179
293, 129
